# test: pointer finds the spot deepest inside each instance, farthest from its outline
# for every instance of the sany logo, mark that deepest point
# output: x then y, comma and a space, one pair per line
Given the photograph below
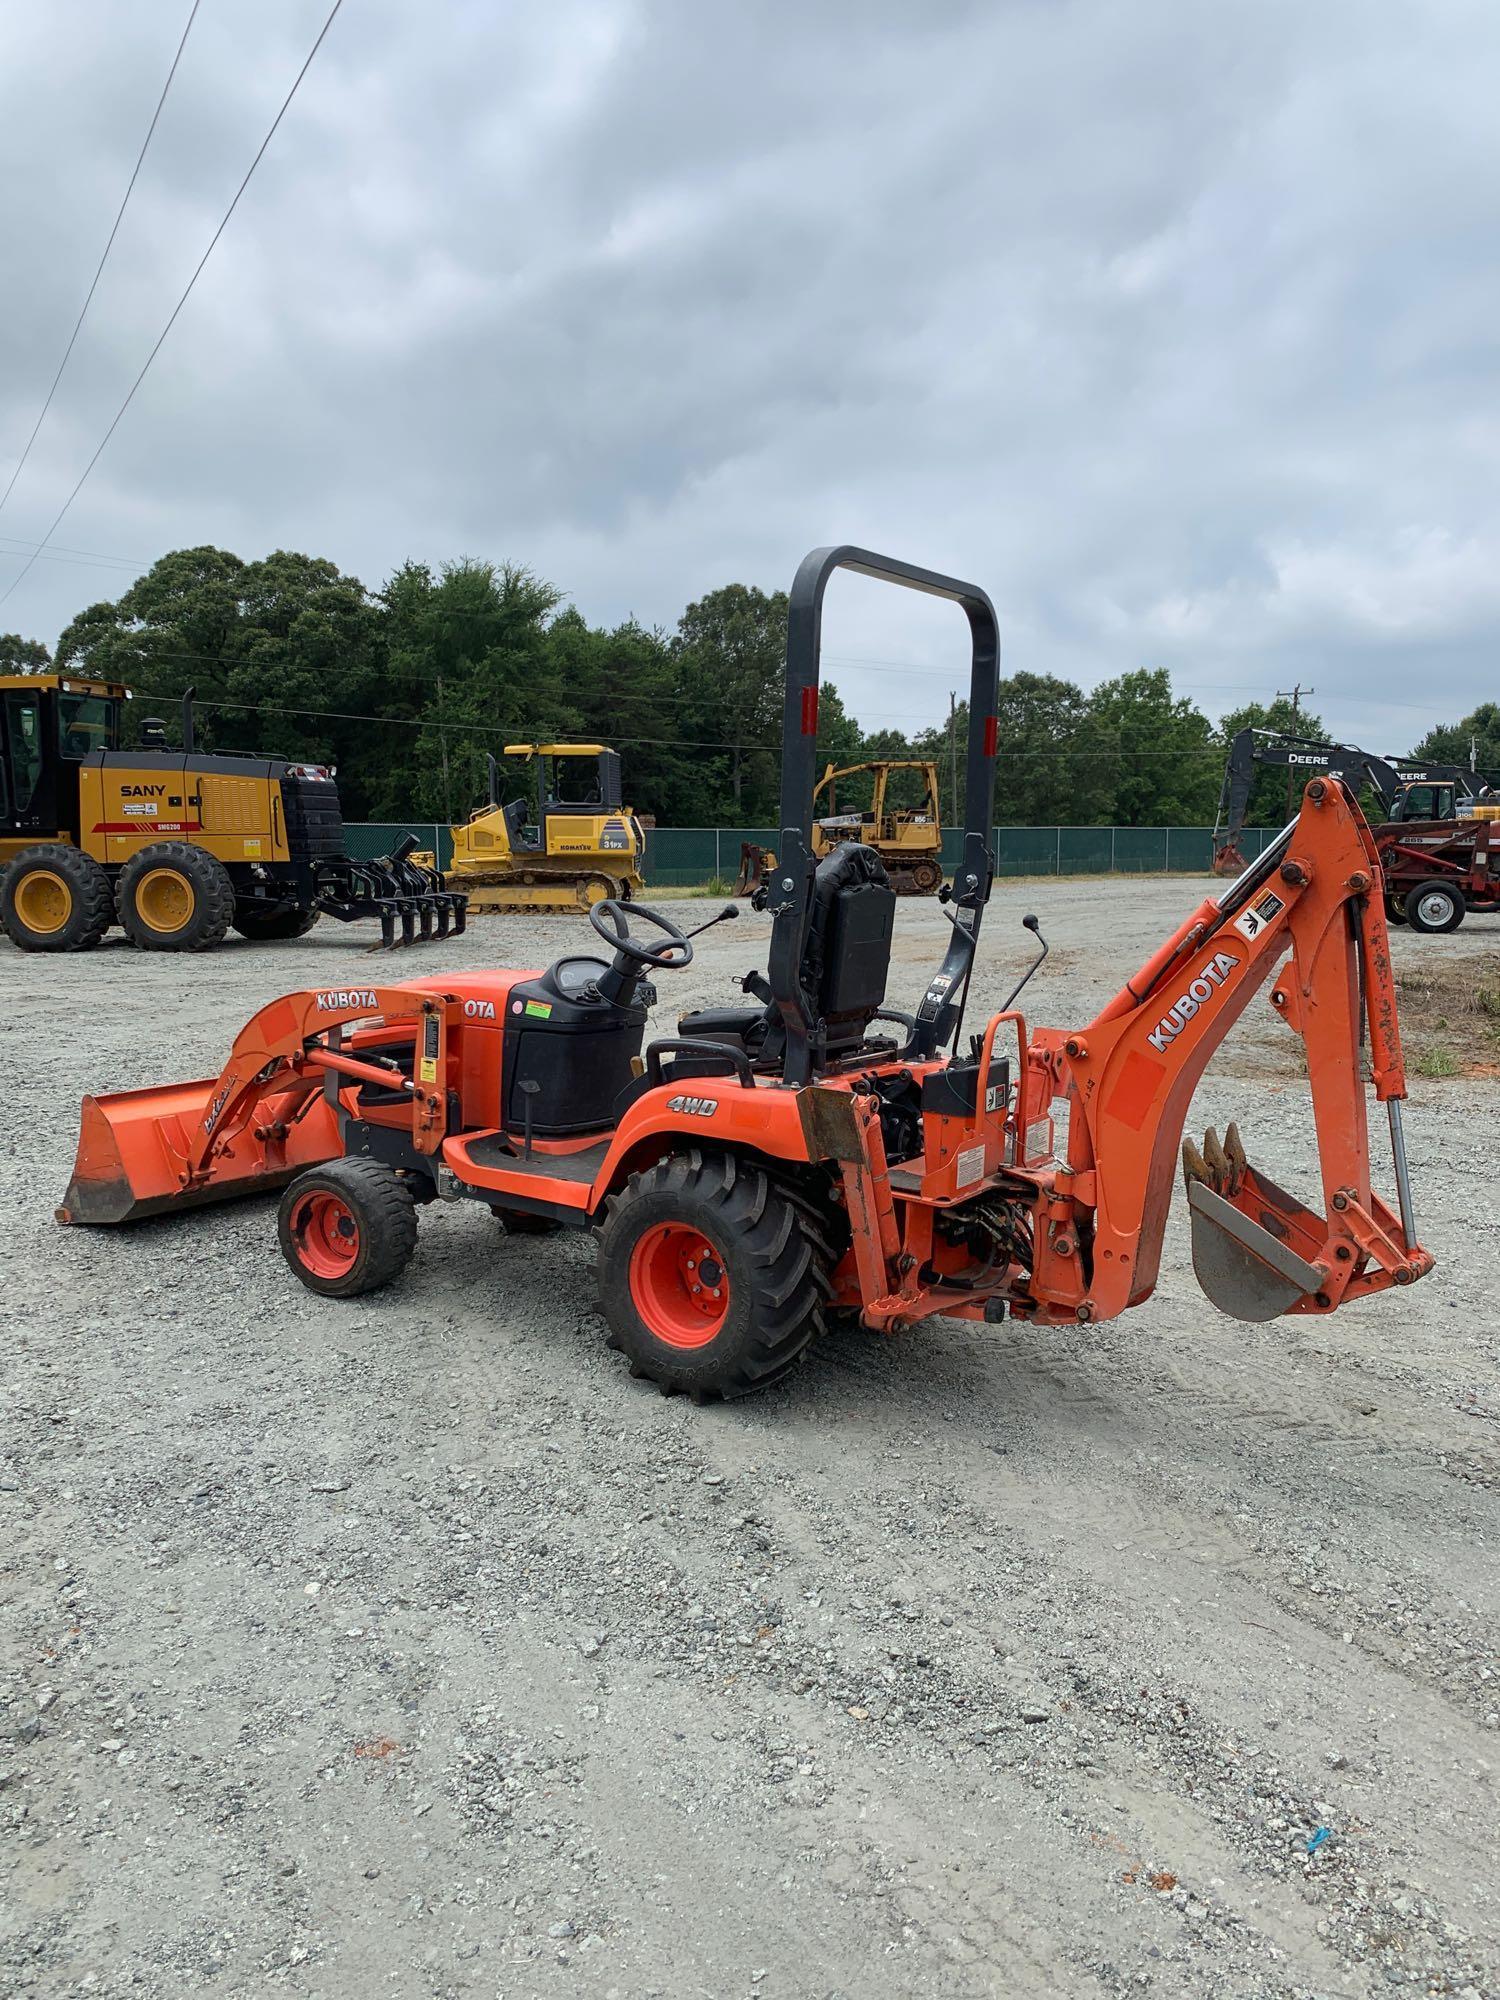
344, 998
479, 1010
1186, 1005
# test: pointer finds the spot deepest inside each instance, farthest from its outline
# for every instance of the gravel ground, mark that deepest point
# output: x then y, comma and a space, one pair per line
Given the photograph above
409, 1646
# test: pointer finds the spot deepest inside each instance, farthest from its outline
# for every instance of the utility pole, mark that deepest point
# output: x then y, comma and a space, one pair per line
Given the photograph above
1294, 696
953, 753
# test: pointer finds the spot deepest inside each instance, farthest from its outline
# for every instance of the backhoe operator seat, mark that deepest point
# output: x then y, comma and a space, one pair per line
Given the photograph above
845, 963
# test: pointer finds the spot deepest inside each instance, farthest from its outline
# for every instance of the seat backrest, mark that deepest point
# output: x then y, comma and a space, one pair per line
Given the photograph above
515, 820
847, 957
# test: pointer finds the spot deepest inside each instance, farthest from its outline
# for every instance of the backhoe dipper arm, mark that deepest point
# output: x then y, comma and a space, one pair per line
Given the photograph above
1316, 892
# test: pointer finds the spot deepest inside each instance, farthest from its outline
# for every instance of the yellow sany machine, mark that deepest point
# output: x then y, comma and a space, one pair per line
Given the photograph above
567, 848
176, 845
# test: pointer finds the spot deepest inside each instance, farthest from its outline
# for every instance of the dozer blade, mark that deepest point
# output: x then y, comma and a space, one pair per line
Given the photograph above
133, 1146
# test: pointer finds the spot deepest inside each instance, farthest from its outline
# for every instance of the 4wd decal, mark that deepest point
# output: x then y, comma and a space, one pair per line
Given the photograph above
694, 1107
345, 997
1203, 989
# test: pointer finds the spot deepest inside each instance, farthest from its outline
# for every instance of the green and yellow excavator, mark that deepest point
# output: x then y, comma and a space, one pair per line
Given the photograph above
571, 845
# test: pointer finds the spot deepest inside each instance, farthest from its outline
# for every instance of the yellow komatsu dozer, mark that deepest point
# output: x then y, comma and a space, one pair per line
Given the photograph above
568, 847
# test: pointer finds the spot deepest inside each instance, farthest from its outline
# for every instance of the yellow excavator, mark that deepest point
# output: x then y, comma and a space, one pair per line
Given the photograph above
908, 838
566, 849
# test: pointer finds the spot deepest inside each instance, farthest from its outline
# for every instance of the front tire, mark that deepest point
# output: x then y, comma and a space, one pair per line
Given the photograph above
55, 898
172, 897
713, 1277
1434, 907
347, 1228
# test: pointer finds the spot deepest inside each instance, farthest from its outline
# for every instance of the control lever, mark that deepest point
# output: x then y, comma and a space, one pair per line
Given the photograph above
729, 910
1030, 924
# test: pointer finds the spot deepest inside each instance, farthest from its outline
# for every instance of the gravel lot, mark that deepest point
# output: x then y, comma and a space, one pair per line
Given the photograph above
408, 1646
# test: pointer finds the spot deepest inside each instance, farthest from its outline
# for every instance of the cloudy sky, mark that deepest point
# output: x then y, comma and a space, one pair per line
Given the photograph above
1174, 326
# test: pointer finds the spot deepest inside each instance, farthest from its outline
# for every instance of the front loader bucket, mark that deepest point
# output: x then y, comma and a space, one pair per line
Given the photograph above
134, 1144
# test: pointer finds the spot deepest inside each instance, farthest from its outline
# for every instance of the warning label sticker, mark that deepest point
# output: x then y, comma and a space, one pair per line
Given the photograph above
970, 1166
1252, 921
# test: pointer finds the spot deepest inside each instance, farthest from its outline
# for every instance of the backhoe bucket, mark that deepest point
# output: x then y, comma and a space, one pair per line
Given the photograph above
754, 861
1247, 1233
133, 1148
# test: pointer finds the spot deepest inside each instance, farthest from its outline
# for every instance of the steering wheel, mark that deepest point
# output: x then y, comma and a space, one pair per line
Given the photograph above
611, 919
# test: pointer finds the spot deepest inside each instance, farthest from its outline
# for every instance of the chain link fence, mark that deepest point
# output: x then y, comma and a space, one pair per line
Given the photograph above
686, 857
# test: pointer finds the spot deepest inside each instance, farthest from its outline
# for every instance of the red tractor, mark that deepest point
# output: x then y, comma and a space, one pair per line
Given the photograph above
815, 1148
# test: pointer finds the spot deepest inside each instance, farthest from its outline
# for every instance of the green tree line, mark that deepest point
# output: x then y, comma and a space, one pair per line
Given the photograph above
409, 688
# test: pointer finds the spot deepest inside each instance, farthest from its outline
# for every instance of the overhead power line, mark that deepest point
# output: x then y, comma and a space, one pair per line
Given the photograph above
99, 273
172, 321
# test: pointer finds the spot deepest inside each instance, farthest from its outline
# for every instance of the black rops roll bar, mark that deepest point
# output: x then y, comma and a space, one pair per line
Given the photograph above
791, 886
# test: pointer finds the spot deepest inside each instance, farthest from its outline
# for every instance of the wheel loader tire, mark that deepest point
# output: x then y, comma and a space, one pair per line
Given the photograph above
713, 1276
55, 898
268, 923
1434, 907
1395, 909
172, 897
348, 1227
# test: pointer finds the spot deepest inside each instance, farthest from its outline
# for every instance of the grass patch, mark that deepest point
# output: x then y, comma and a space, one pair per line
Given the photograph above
1450, 1016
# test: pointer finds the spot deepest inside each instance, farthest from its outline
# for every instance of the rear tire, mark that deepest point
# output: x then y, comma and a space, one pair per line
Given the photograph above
55, 898
348, 1227
1395, 909
172, 897
1434, 907
713, 1276
269, 923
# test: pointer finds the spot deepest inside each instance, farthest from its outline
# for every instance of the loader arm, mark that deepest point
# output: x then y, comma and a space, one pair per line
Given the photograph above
1130, 1076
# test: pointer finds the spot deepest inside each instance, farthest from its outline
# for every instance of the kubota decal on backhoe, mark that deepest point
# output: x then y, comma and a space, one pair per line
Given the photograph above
1188, 1003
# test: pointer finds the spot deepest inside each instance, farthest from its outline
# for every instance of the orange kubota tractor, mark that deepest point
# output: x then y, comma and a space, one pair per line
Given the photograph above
816, 1148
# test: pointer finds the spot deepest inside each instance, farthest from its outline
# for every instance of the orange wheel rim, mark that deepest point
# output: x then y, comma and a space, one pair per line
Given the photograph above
325, 1234
679, 1285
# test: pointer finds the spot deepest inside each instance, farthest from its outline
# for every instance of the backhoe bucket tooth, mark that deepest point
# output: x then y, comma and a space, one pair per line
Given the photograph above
1235, 1156
1247, 1269
1194, 1166
1218, 1161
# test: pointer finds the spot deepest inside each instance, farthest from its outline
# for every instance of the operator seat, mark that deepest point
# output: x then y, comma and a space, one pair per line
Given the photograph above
515, 825
845, 963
